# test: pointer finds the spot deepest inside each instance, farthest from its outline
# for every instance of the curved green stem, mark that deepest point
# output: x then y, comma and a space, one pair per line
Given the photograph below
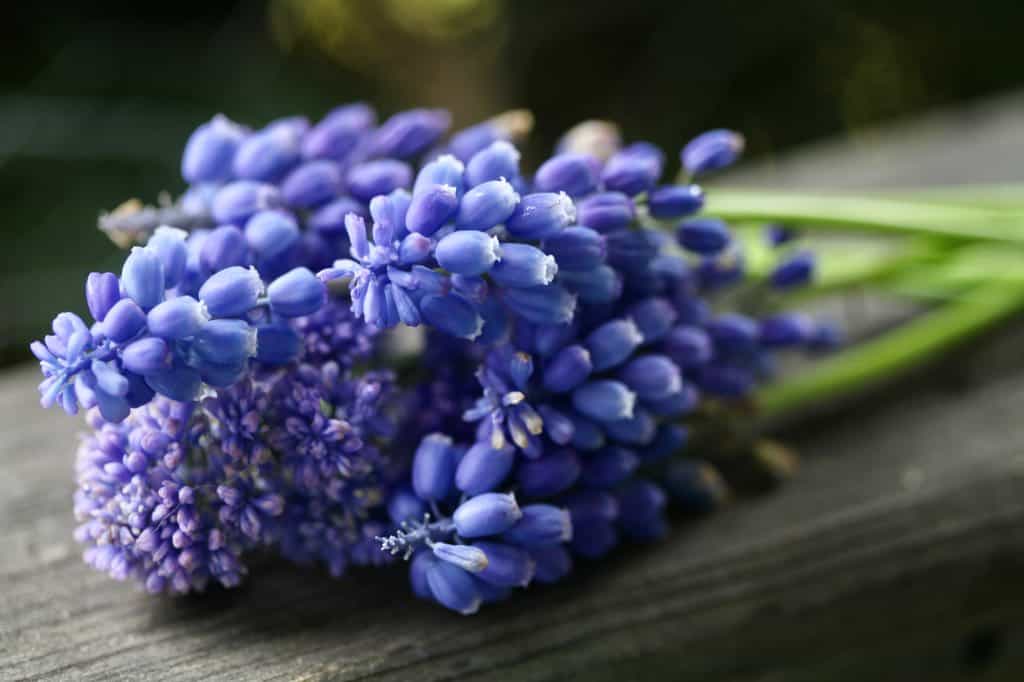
955, 222
896, 351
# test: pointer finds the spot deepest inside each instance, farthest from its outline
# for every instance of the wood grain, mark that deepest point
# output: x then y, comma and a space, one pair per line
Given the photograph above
895, 554
900, 541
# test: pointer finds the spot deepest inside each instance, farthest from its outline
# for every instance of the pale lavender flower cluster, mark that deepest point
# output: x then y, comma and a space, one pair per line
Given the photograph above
245, 390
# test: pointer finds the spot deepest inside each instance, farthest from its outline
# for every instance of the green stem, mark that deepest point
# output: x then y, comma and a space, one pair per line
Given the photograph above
953, 222
852, 370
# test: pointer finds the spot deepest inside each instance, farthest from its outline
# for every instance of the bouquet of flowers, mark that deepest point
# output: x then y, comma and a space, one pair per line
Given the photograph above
356, 343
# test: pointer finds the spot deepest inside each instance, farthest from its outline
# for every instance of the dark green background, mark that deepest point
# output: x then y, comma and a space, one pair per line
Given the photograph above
95, 104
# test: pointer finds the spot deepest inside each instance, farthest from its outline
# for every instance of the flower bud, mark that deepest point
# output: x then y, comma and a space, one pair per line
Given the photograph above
277, 344
483, 468
486, 514
594, 539
146, 356
636, 430
795, 271
414, 248
720, 271
472, 288
544, 305
651, 377
541, 215
296, 293
466, 557
177, 383
102, 291
470, 141
786, 330
210, 151
654, 317
677, 404
486, 205
522, 265
404, 505
541, 524
551, 563
452, 314
271, 233
177, 318
695, 485
169, 245
688, 346
705, 236
142, 277
606, 211
670, 439
712, 151
312, 184
586, 435
235, 202
548, 475
588, 505
827, 336
643, 504
557, 426
724, 381
433, 467
329, 219
468, 252
123, 321
604, 400
507, 566
223, 248
613, 342
420, 564
374, 178
675, 201
444, 170
499, 160
231, 292
432, 208
336, 135
409, 133
577, 248
268, 155
223, 342
453, 587
633, 169
733, 332
595, 286
776, 235
574, 174
567, 369
633, 251
609, 467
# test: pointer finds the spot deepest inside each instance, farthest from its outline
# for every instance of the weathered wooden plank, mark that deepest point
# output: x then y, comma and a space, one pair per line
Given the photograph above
901, 537
896, 553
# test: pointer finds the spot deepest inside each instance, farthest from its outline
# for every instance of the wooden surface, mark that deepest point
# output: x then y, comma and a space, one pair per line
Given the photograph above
897, 553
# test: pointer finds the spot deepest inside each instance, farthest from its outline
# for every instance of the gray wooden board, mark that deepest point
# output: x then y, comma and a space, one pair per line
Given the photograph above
896, 553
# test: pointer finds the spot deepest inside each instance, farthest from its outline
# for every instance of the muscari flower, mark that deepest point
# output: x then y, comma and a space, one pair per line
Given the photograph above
591, 328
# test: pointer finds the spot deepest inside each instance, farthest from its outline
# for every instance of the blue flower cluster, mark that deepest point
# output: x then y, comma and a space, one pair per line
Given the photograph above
176, 493
244, 389
150, 338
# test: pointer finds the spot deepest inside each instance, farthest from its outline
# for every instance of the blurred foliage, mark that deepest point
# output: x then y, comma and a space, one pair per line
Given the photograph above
96, 100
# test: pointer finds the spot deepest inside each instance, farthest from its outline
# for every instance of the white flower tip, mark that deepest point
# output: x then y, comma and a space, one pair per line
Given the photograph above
171, 231
628, 404
633, 331
550, 269
472, 607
